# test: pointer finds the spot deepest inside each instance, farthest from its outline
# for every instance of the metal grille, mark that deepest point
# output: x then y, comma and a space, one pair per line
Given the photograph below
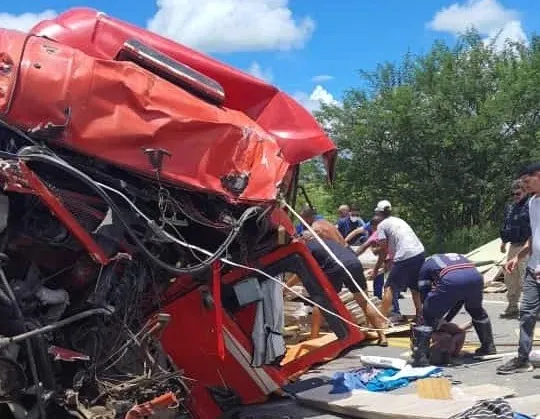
79, 205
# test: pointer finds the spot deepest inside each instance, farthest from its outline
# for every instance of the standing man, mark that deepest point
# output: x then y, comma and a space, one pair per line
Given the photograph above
516, 230
445, 281
396, 237
530, 298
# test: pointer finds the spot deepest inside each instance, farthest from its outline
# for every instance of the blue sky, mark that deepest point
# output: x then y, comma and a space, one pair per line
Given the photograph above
311, 49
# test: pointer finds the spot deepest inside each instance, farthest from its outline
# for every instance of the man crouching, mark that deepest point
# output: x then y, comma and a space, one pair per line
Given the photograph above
446, 281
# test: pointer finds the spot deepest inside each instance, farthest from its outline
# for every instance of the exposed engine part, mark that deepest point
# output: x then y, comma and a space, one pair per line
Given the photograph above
73, 326
4, 341
91, 243
12, 378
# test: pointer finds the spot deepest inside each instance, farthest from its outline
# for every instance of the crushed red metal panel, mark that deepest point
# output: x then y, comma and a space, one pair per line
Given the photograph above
110, 163
117, 109
299, 135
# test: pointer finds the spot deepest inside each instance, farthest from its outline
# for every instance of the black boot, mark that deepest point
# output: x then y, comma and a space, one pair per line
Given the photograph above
420, 344
485, 334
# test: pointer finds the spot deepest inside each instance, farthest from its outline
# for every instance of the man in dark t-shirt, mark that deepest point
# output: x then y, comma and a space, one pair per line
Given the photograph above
335, 273
338, 277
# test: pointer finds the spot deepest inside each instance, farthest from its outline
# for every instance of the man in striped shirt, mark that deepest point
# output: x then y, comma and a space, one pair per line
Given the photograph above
446, 281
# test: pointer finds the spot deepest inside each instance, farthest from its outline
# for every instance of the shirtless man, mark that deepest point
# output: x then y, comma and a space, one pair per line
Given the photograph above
338, 277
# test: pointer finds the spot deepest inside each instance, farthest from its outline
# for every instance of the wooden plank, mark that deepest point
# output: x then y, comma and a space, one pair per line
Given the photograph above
434, 388
372, 405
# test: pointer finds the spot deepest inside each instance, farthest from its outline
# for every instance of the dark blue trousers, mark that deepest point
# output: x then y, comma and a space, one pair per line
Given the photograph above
465, 285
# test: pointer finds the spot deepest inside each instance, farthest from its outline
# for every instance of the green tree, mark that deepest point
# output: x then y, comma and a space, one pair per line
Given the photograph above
441, 135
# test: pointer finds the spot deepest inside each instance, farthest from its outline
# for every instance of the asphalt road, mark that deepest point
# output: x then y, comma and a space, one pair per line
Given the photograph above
469, 374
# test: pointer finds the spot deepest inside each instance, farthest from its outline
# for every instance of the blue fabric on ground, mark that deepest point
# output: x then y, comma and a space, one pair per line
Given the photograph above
521, 416
377, 384
376, 379
345, 381
367, 378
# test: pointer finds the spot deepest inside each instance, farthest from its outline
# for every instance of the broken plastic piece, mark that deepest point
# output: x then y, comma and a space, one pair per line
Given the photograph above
165, 401
67, 355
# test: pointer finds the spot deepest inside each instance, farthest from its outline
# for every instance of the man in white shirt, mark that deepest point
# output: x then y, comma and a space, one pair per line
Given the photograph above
530, 298
398, 239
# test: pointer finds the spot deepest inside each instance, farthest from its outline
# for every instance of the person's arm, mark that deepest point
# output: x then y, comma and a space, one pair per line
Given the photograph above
382, 243
523, 253
504, 240
525, 250
363, 247
354, 233
383, 252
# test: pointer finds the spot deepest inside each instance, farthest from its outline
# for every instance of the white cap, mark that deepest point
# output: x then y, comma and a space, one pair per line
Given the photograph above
383, 205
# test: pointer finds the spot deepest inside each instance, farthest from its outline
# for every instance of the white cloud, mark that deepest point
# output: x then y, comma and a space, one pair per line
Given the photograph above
25, 21
312, 102
231, 25
264, 74
511, 31
488, 17
322, 78
484, 15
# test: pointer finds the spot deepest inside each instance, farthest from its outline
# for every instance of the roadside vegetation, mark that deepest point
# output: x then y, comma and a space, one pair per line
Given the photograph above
440, 135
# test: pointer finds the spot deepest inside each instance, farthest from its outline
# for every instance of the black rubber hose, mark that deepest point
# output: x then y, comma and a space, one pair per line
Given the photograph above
19, 132
54, 161
29, 349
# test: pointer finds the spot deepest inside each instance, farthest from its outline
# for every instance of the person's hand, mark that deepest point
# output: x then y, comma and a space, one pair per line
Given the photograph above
510, 265
503, 247
369, 275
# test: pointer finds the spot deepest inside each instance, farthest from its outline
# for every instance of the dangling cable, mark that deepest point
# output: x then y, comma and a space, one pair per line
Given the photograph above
336, 259
238, 265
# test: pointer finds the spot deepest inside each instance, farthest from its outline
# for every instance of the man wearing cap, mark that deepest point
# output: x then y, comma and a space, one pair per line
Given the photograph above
447, 281
530, 297
378, 281
397, 237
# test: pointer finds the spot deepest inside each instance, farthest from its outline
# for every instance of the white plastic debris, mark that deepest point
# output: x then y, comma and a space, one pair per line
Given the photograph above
383, 362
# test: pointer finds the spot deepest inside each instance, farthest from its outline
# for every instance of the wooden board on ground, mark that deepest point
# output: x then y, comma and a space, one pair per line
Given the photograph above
439, 388
303, 348
489, 252
371, 405
393, 331
401, 328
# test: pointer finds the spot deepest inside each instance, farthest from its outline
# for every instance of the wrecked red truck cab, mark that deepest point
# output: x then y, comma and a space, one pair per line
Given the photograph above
139, 224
